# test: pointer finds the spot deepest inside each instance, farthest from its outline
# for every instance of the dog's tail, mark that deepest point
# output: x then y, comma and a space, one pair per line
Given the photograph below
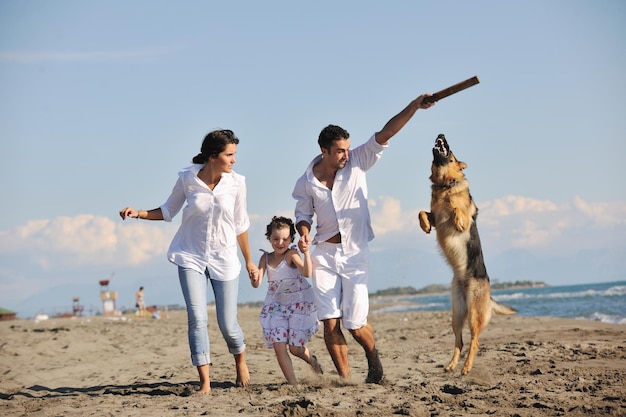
503, 309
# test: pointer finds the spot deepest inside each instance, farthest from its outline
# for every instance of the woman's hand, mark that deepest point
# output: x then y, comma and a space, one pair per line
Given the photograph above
253, 273
129, 212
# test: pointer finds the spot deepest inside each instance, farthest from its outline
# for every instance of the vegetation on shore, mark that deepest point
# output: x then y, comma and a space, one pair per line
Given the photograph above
440, 288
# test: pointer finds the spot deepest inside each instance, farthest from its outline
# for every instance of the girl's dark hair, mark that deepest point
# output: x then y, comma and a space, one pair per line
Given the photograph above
279, 222
214, 143
330, 134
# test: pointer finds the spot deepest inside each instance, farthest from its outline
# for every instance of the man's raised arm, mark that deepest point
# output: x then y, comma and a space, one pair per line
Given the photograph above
397, 122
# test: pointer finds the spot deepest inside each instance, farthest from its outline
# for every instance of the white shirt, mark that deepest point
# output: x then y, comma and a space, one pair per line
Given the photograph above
212, 220
344, 208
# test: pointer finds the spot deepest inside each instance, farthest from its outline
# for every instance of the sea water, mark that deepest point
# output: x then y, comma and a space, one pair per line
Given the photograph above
605, 302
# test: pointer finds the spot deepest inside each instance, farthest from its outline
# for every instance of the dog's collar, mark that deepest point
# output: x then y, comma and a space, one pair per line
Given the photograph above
446, 186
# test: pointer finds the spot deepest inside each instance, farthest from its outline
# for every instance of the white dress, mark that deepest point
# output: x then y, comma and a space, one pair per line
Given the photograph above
289, 314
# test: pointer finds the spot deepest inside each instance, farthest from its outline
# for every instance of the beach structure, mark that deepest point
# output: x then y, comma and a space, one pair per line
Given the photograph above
7, 314
108, 298
77, 308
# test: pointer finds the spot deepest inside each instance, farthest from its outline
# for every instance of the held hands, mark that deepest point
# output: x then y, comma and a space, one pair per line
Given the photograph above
253, 273
305, 239
304, 243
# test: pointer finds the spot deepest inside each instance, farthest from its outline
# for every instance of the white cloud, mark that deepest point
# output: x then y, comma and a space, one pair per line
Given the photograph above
520, 222
525, 223
512, 222
86, 240
511, 204
530, 234
387, 216
605, 214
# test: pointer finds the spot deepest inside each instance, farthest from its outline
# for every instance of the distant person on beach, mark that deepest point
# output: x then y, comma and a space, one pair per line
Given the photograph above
334, 190
289, 316
139, 302
215, 221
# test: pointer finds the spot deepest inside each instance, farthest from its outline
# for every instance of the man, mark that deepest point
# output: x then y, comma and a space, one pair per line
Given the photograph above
334, 189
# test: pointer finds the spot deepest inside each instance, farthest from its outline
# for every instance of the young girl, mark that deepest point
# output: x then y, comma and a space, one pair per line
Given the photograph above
289, 315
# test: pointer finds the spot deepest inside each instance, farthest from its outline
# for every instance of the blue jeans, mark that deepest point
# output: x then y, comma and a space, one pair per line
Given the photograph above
194, 286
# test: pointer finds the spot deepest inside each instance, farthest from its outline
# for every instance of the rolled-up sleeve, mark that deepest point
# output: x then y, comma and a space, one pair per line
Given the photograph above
174, 202
367, 154
304, 203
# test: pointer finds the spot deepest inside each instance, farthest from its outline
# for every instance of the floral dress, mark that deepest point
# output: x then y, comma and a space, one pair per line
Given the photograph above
289, 314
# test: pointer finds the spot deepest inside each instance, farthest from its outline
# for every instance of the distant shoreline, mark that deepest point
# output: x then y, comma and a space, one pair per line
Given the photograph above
430, 290
438, 289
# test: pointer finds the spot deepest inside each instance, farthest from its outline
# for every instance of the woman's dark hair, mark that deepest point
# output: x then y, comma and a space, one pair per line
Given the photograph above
279, 222
330, 134
213, 144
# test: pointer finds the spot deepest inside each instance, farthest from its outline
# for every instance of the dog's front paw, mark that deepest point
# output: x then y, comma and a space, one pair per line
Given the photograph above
425, 223
461, 221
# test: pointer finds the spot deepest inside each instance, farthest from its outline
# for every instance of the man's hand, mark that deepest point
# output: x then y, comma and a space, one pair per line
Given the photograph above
423, 102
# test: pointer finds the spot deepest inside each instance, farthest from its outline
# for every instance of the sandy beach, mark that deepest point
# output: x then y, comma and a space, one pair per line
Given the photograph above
128, 366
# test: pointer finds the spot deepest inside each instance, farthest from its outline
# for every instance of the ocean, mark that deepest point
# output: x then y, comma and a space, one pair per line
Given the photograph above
604, 302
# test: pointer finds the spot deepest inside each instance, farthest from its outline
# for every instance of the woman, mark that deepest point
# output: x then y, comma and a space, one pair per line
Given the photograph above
214, 221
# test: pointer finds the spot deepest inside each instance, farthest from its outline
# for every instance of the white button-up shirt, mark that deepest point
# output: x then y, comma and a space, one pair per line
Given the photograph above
212, 220
344, 208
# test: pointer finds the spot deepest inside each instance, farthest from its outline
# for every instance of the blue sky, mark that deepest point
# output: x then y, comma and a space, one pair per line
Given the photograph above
101, 103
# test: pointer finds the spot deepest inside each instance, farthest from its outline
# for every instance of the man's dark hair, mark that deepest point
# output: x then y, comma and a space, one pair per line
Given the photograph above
330, 134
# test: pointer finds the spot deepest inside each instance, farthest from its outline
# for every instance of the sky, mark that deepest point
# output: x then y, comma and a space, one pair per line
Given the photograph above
102, 103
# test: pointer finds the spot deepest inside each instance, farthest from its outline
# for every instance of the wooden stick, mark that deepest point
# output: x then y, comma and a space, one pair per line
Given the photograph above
453, 89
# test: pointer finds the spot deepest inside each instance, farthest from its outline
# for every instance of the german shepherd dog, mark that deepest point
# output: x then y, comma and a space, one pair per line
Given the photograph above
453, 215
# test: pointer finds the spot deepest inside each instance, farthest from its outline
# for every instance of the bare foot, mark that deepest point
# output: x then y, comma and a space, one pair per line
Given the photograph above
317, 368
204, 390
205, 380
243, 374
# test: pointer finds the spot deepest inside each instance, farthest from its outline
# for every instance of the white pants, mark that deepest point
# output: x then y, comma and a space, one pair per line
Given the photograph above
340, 284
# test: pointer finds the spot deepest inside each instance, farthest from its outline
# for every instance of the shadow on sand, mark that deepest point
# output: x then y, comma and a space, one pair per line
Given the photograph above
150, 389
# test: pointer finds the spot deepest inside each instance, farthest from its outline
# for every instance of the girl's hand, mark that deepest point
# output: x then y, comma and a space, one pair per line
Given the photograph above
255, 281
303, 245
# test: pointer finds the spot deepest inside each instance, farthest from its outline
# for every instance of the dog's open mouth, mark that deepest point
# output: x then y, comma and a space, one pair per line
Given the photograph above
441, 151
